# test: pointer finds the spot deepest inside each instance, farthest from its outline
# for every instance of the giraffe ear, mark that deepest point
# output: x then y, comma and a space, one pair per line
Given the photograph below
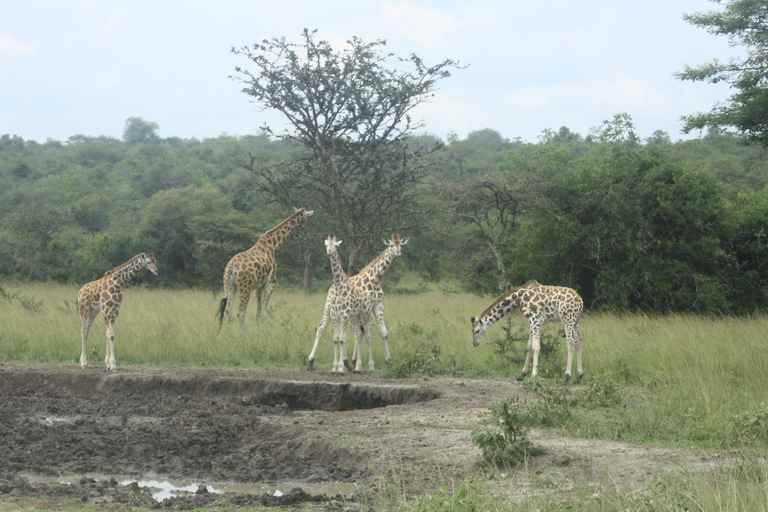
473, 319
338, 243
385, 240
405, 240
309, 213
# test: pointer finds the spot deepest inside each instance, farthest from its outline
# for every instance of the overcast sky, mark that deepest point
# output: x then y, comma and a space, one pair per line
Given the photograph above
72, 67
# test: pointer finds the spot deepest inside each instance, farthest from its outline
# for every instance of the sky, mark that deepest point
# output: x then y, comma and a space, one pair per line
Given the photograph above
83, 67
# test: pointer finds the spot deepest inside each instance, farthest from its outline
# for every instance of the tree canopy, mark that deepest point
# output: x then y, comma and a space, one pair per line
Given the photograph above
350, 110
745, 23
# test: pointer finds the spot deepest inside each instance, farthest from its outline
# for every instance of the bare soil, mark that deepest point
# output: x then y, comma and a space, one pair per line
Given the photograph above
106, 432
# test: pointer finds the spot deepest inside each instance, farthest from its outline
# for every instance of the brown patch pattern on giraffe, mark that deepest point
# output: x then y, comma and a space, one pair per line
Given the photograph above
368, 281
540, 304
256, 269
105, 296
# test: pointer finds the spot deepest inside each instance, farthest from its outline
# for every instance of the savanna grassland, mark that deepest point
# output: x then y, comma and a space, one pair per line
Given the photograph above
686, 382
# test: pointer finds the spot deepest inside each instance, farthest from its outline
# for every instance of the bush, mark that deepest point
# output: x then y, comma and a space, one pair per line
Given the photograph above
509, 444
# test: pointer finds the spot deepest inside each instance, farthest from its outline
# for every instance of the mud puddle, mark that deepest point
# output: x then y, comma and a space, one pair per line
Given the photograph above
161, 489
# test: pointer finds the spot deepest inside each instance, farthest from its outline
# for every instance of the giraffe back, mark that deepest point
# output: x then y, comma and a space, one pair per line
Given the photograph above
550, 303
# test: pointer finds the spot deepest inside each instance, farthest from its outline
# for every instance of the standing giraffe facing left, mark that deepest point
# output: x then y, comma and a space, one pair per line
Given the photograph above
540, 304
256, 268
105, 295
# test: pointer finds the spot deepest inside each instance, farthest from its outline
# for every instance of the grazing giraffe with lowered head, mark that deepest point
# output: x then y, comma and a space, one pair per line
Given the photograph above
368, 281
256, 268
105, 296
349, 303
540, 304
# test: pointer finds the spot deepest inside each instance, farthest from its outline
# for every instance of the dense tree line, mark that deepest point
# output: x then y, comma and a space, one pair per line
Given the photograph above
632, 224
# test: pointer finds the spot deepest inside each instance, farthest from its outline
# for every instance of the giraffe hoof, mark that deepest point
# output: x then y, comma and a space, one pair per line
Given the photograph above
521, 377
578, 377
567, 378
348, 366
310, 365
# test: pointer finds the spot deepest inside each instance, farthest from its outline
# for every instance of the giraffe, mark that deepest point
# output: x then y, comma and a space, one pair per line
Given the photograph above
347, 303
256, 268
367, 281
540, 305
105, 295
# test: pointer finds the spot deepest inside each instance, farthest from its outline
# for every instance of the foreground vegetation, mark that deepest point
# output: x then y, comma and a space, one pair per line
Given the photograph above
680, 381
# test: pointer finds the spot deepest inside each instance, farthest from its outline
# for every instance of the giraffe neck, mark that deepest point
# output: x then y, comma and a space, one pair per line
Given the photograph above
376, 269
340, 279
126, 271
501, 306
277, 235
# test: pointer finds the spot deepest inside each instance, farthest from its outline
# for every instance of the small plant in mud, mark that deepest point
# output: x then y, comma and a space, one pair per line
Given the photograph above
507, 445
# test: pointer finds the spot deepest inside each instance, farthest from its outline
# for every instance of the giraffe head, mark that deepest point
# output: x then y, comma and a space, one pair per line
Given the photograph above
331, 244
395, 243
148, 260
478, 329
307, 213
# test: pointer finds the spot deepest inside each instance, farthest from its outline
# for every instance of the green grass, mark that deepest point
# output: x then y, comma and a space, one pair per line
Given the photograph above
680, 380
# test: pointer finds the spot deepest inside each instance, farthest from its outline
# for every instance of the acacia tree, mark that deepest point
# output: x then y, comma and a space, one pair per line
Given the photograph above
745, 22
351, 111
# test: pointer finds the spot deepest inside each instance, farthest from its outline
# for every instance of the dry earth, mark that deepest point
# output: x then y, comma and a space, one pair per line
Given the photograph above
319, 437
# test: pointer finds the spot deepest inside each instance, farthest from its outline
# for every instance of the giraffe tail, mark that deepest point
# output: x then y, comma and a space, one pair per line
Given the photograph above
222, 309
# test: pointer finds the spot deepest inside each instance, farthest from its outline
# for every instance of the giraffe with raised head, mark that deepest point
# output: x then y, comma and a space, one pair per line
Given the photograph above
540, 304
256, 269
349, 303
368, 281
105, 296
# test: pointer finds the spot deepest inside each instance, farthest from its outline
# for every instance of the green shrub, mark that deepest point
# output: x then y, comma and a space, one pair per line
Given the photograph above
509, 444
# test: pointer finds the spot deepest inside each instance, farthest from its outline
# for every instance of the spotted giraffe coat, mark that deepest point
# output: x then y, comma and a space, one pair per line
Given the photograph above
540, 304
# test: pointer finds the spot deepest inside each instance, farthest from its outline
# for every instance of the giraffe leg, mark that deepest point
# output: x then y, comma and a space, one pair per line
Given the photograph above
87, 317
242, 307
527, 356
367, 333
263, 302
379, 311
230, 298
230, 292
321, 327
569, 335
109, 358
536, 345
340, 349
578, 339
358, 328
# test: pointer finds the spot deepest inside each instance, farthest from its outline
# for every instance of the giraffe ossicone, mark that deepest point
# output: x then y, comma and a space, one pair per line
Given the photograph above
256, 269
540, 304
105, 296
367, 281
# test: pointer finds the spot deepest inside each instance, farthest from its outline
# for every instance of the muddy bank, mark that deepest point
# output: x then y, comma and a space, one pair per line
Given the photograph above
280, 437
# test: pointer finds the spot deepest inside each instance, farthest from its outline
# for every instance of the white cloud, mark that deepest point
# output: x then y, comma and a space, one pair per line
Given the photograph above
418, 23
10, 46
